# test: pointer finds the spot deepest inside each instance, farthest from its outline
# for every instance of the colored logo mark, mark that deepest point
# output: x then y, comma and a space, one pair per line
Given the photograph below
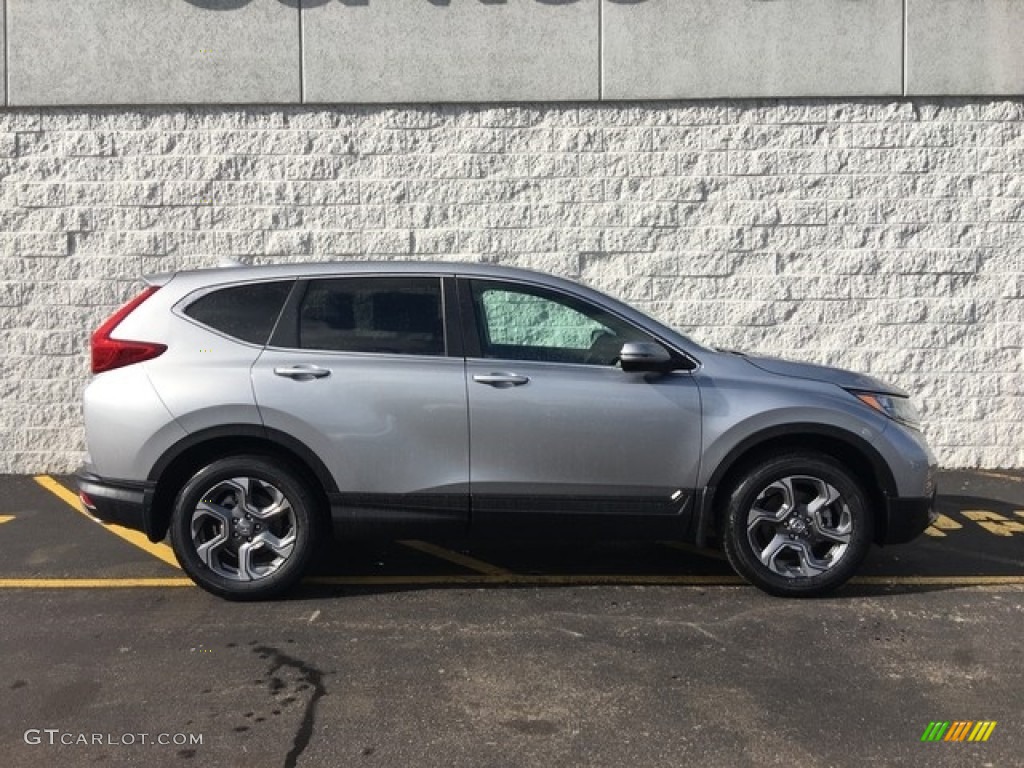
959, 730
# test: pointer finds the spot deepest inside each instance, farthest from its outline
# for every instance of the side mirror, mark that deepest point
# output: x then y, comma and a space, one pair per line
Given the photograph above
644, 356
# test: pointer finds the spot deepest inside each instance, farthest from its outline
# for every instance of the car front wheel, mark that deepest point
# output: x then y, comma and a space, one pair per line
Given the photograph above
797, 525
245, 528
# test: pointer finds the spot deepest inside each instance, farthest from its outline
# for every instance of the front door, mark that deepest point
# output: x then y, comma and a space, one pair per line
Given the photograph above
559, 432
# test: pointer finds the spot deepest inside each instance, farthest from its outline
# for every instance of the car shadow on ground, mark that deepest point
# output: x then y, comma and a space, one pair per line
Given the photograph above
976, 541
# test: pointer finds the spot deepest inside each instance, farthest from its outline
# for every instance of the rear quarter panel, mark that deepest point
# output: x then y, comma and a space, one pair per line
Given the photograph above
127, 426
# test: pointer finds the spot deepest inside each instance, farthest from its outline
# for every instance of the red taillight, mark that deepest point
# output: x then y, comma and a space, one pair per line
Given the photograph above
108, 353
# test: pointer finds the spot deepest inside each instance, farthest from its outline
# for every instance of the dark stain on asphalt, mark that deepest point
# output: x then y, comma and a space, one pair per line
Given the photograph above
18, 684
309, 675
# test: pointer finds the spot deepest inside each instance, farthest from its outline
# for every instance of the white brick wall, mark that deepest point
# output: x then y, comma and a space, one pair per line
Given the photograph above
884, 236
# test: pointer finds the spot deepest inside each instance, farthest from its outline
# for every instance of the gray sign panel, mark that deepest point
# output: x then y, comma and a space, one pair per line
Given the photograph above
152, 51
463, 50
668, 49
965, 47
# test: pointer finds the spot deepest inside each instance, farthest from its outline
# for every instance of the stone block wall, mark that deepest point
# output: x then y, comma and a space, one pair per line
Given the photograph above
881, 235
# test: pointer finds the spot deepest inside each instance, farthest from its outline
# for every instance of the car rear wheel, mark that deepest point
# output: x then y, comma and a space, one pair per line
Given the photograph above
245, 528
797, 525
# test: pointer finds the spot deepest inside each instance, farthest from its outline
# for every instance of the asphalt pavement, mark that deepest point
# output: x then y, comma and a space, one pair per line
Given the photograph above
512, 654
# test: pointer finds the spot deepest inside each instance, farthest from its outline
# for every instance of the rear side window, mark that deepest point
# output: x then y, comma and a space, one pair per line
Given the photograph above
391, 315
246, 312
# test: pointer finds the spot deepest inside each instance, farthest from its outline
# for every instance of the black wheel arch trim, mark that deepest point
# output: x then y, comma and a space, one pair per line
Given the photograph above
282, 439
705, 516
155, 521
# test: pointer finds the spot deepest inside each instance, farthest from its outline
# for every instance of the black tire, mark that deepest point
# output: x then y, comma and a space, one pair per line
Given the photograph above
795, 542
223, 532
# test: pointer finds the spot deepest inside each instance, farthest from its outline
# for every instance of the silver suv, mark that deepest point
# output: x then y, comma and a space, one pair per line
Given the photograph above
251, 410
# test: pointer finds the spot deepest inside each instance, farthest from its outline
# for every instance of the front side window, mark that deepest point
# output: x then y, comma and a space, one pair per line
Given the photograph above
526, 323
389, 315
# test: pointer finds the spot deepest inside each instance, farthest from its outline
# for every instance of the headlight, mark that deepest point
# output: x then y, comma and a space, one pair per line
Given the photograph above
897, 408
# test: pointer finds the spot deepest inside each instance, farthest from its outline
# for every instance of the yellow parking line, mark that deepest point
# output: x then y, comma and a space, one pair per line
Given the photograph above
512, 579
455, 557
6, 519
91, 583
519, 579
628, 579
158, 550
938, 581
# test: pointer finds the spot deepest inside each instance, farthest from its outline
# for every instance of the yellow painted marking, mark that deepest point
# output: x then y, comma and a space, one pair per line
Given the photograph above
454, 557
536, 580
725, 580
988, 731
942, 523
993, 522
92, 583
938, 581
158, 550
6, 519
517, 579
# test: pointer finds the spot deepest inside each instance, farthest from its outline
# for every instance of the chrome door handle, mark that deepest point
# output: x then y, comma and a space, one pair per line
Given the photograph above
501, 379
302, 372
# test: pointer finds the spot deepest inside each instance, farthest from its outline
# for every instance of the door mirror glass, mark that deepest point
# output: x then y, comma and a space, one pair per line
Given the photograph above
644, 356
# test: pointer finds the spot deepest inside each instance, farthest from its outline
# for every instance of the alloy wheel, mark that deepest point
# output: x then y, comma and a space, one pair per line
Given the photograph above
799, 526
243, 529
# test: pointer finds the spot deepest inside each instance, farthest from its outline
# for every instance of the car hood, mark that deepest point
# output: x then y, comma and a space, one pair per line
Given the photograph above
838, 376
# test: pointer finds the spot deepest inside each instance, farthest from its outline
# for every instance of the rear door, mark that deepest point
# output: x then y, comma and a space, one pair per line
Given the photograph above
363, 371
559, 433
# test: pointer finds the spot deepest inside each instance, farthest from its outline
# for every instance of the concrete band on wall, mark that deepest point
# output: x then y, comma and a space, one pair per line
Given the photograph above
75, 52
880, 235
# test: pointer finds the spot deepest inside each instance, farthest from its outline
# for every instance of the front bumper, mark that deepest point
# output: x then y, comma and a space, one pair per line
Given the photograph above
908, 517
116, 501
